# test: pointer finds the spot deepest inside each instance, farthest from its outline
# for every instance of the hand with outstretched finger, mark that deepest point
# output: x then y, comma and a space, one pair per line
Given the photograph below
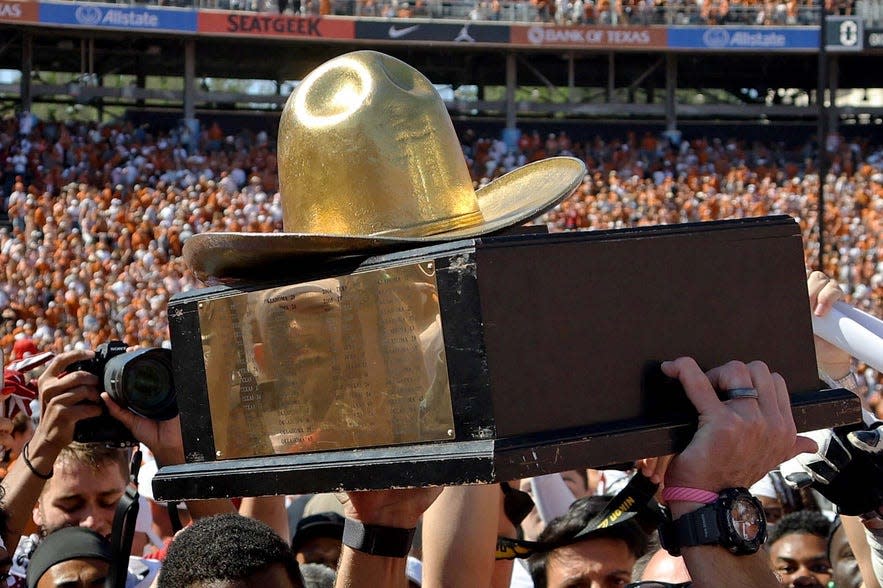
823, 293
737, 441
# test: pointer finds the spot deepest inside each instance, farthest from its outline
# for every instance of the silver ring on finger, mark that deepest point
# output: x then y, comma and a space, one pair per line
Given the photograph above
738, 393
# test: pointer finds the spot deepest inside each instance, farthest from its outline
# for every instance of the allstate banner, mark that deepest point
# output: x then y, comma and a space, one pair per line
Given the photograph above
117, 17
725, 38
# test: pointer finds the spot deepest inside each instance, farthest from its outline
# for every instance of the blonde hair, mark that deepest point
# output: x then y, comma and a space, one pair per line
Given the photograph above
95, 456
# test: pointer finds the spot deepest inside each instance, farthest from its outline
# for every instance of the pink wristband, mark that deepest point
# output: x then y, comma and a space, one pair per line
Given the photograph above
681, 494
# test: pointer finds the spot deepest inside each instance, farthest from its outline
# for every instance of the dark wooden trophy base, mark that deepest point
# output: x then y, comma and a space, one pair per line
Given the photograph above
552, 346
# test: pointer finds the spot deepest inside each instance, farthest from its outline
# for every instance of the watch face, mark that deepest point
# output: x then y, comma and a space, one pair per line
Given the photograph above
746, 519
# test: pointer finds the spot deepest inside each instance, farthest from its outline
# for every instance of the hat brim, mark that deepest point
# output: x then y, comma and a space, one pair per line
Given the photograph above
511, 199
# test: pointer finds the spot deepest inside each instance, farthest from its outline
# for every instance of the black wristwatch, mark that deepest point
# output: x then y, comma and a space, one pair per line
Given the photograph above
734, 521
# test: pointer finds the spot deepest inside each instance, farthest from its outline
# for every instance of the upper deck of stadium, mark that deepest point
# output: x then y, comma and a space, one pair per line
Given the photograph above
623, 59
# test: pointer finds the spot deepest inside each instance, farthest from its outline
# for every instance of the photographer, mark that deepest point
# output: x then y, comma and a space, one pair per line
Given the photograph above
65, 399
79, 484
59, 482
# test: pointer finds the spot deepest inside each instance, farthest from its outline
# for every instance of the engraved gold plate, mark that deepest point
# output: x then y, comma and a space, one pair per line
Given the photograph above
338, 363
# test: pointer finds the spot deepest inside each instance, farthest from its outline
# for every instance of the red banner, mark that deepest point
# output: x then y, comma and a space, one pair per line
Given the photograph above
259, 24
19, 11
582, 37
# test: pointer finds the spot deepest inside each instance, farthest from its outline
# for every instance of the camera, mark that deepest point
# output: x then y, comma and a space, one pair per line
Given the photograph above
140, 381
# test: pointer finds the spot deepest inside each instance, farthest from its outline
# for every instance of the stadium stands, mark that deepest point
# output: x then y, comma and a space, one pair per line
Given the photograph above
98, 215
597, 12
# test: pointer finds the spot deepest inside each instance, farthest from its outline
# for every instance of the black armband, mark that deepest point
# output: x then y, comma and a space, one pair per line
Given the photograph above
377, 540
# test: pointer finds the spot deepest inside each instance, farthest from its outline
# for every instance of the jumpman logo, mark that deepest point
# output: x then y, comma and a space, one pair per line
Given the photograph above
463, 35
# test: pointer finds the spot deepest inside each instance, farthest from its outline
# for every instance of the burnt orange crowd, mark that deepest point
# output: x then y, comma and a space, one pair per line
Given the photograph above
98, 214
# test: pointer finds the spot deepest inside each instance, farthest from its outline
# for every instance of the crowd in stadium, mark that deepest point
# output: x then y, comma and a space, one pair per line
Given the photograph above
98, 215
571, 12
583, 12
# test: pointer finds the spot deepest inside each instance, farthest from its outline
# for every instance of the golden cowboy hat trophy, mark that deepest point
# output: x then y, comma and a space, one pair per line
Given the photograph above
422, 367
369, 160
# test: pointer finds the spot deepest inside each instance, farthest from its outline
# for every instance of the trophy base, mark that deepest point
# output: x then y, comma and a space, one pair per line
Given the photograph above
465, 462
484, 359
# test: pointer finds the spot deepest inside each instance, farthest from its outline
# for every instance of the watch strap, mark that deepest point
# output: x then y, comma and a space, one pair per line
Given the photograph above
699, 527
376, 539
848, 382
712, 524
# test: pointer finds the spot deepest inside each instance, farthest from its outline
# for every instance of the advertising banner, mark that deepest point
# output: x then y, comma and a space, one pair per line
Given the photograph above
583, 37
874, 38
844, 34
117, 17
257, 24
410, 31
760, 39
19, 12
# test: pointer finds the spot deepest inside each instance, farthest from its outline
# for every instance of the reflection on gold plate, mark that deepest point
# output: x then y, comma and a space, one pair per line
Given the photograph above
337, 363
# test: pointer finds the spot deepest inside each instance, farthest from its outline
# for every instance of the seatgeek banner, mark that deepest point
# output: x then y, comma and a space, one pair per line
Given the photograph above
113, 16
257, 24
725, 38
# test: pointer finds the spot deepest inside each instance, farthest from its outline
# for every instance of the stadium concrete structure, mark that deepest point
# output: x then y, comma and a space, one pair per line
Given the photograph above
623, 73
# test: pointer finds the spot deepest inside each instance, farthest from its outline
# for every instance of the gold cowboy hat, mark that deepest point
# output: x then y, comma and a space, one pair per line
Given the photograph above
369, 160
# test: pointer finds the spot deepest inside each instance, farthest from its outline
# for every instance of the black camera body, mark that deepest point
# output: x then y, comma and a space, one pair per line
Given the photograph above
140, 381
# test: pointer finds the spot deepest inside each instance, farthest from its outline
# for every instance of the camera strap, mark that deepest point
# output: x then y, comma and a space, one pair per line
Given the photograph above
634, 499
174, 516
124, 520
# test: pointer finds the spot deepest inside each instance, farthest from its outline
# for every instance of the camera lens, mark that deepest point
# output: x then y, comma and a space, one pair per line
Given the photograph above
142, 382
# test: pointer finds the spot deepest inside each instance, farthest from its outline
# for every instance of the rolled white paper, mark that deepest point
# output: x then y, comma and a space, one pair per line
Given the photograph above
854, 331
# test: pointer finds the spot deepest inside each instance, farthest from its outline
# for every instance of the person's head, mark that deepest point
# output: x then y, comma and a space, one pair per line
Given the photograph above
577, 481
317, 539
844, 565
24, 347
298, 344
73, 557
317, 575
798, 550
88, 481
229, 551
298, 325
605, 558
663, 567
779, 499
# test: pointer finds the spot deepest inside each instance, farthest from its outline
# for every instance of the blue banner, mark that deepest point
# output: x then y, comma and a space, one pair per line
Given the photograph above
117, 17
727, 38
